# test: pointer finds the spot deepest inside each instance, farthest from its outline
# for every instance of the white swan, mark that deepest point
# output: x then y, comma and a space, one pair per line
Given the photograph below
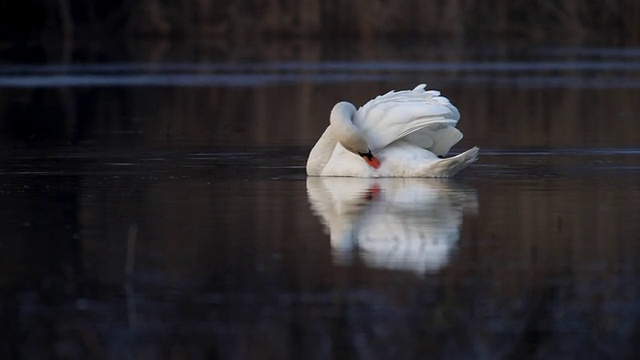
407, 224
399, 134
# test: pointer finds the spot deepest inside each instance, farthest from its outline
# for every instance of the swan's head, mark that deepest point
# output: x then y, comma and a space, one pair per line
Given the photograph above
347, 133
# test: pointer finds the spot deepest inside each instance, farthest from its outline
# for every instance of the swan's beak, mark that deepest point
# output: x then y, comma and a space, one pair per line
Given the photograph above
370, 159
373, 161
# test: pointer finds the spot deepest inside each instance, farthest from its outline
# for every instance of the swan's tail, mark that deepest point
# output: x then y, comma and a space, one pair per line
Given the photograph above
451, 166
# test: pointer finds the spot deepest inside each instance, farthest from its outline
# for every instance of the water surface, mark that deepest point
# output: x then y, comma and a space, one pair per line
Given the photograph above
162, 208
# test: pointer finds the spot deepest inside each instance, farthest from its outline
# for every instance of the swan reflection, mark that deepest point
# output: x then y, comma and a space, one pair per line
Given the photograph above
406, 224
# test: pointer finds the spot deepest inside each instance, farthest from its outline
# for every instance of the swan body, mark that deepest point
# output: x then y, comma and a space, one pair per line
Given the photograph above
398, 134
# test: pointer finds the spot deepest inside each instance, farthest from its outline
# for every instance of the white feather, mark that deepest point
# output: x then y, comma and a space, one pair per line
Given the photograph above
396, 114
405, 130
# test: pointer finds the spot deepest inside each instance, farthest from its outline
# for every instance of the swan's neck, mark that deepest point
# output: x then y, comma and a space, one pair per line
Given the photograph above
344, 130
321, 153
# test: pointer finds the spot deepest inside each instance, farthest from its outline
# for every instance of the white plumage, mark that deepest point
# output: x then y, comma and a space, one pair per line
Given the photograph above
405, 130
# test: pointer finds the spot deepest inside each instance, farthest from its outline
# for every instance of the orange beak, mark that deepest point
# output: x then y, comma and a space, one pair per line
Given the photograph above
371, 160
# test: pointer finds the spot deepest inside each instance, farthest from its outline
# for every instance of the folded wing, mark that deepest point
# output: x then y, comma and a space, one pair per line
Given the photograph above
424, 118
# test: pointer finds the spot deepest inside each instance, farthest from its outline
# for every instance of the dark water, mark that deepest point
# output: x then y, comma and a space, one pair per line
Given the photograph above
161, 210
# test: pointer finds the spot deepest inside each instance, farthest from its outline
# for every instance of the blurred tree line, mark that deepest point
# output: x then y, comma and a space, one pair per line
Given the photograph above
38, 19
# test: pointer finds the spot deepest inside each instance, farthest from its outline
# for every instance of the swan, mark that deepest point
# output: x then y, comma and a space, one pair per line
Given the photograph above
399, 134
407, 224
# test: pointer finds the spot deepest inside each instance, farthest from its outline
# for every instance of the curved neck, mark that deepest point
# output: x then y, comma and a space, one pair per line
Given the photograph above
342, 112
344, 130
321, 153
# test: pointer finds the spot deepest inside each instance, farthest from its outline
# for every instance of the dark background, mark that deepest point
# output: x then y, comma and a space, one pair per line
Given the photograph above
204, 186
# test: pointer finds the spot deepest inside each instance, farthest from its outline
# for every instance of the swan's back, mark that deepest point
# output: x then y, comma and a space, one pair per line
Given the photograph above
424, 118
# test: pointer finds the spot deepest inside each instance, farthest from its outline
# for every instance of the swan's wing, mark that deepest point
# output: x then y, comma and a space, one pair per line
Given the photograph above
396, 114
436, 138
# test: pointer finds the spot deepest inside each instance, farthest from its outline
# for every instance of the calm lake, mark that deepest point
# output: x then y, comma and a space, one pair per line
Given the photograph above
154, 204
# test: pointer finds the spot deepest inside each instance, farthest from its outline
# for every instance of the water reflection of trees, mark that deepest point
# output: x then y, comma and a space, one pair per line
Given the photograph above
550, 113
297, 114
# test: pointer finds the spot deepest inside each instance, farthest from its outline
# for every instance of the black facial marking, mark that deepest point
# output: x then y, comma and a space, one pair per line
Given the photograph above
368, 155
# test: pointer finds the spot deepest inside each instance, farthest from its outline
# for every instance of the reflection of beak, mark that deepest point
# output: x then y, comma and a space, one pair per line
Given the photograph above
370, 159
372, 192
